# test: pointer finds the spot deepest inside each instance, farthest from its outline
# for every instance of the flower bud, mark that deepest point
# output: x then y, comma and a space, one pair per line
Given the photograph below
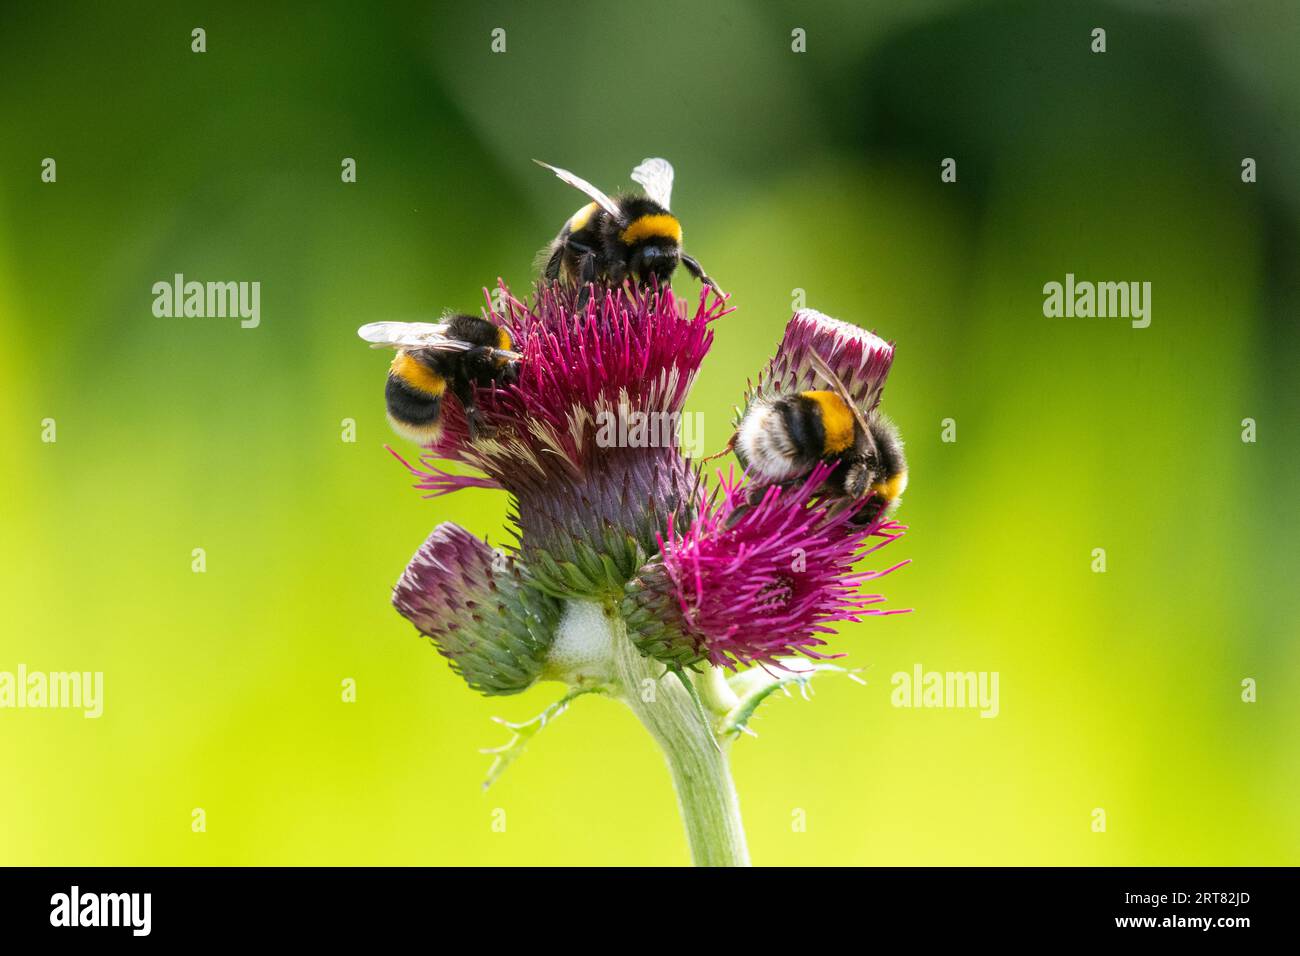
478, 608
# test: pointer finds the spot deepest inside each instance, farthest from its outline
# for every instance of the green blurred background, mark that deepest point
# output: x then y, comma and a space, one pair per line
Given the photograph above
816, 171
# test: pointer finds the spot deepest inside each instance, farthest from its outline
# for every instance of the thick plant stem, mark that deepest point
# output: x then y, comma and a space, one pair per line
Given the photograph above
701, 774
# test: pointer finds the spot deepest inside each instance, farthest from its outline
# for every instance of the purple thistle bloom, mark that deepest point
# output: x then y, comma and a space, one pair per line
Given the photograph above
476, 606
751, 582
588, 511
753, 575
860, 358
629, 348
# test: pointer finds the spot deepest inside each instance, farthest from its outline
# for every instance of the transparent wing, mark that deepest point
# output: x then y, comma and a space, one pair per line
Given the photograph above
399, 335
420, 335
577, 182
655, 176
828, 373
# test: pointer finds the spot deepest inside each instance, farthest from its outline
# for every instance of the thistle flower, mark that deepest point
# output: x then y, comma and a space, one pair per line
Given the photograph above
623, 563
588, 512
748, 583
476, 606
860, 358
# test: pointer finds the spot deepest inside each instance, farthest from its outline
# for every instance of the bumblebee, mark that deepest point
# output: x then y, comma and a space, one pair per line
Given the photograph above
632, 236
782, 439
460, 354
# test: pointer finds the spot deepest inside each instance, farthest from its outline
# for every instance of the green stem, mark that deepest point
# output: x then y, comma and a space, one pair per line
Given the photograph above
701, 775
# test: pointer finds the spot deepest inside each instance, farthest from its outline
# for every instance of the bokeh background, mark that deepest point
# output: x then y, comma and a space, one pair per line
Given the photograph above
816, 171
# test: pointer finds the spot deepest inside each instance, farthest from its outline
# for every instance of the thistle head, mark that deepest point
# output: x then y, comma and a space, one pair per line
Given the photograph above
623, 350
750, 574
588, 506
758, 575
860, 358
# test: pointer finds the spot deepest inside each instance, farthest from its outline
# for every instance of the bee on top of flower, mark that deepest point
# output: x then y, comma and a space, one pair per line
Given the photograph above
628, 237
804, 412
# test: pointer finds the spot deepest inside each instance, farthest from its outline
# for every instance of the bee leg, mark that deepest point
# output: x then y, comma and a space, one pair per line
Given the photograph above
737, 516
586, 271
617, 274
552, 272
727, 449
478, 429
869, 512
693, 267
753, 498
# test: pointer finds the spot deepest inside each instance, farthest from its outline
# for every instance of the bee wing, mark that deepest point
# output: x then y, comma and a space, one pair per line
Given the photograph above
828, 373
420, 335
577, 182
655, 176
400, 335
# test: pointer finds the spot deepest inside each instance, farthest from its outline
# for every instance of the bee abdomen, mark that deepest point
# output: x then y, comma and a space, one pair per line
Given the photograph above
770, 441
803, 420
413, 394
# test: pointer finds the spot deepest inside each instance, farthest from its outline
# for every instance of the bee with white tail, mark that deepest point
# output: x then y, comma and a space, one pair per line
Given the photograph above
782, 439
459, 354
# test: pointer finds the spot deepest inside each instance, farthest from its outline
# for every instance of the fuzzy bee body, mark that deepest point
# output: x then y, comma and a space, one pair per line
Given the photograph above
413, 396
629, 237
782, 439
458, 355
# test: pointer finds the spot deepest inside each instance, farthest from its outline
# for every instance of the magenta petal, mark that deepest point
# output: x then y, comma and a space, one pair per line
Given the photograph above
750, 582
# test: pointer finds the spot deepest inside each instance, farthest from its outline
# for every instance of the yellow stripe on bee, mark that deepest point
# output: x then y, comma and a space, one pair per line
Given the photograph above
657, 226
506, 345
837, 421
418, 375
893, 488
583, 216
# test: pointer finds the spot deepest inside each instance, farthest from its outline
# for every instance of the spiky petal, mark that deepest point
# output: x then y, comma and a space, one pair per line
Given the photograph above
478, 608
625, 351
750, 582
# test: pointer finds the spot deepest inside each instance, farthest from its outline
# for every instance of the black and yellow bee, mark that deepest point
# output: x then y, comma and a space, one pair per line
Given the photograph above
459, 354
611, 240
782, 439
